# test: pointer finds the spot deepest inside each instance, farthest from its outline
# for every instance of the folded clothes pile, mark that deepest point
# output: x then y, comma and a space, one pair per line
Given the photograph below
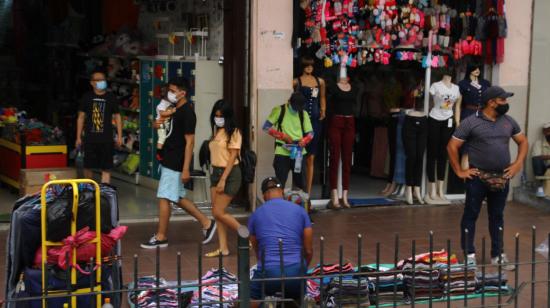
217, 282
387, 287
458, 280
491, 283
313, 286
348, 290
166, 297
422, 274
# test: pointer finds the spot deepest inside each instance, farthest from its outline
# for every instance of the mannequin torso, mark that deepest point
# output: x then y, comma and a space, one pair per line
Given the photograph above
444, 94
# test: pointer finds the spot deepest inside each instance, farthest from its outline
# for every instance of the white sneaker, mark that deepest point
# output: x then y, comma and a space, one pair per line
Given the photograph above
471, 259
540, 192
506, 265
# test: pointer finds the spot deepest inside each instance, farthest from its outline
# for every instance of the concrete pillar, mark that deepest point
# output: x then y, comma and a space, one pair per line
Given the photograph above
271, 73
513, 74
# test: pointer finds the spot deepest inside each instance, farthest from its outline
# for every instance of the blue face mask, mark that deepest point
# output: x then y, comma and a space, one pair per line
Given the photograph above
101, 85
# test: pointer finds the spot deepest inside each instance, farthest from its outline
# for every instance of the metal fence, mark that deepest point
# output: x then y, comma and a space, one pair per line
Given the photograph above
501, 297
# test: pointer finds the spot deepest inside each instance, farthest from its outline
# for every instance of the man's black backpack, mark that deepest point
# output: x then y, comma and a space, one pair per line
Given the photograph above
280, 122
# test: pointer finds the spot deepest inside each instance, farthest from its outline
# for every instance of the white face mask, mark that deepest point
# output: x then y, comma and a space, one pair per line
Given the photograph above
219, 121
172, 97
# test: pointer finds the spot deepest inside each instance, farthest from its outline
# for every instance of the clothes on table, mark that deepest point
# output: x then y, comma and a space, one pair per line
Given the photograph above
331, 269
313, 286
211, 289
166, 297
492, 283
386, 287
347, 290
437, 258
457, 281
422, 279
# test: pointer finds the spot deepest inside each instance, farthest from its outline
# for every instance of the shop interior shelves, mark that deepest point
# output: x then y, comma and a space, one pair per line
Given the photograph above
129, 109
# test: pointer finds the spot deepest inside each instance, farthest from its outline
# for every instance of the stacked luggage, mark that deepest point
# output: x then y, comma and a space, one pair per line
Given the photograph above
24, 271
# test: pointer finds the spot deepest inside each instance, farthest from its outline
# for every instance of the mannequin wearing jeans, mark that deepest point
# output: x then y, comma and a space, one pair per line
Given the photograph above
414, 136
313, 88
341, 137
415, 132
413, 91
440, 127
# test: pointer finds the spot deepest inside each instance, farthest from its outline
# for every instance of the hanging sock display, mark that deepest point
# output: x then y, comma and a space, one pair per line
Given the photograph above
355, 26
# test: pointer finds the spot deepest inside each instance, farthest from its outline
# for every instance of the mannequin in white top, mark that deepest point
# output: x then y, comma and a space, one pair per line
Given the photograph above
445, 96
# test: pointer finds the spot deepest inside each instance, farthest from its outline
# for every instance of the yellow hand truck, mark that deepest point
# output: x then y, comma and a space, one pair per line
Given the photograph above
97, 240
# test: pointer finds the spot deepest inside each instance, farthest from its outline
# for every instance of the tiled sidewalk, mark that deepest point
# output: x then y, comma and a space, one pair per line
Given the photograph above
341, 228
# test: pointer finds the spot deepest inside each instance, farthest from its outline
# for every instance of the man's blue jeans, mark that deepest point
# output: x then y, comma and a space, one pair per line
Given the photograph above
539, 166
292, 286
476, 192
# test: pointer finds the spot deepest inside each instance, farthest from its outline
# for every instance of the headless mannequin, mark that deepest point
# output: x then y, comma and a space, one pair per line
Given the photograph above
414, 190
390, 186
344, 85
417, 115
307, 79
436, 189
408, 100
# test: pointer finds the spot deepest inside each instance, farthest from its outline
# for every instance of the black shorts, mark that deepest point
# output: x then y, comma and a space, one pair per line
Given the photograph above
98, 155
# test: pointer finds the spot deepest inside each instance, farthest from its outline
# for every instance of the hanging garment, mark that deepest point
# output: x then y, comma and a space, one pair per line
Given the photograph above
379, 152
400, 157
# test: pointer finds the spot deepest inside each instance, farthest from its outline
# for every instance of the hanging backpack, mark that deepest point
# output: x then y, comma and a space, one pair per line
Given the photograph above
248, 165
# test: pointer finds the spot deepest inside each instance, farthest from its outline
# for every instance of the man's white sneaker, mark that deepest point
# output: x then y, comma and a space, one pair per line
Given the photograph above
540, 192
471, 260
506, 265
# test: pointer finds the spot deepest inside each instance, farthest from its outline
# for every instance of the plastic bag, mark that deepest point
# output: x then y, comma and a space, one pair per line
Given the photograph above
59, 214
131, 164
543, 248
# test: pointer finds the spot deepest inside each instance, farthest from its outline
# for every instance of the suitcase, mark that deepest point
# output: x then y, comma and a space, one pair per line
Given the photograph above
26, 217
32, 279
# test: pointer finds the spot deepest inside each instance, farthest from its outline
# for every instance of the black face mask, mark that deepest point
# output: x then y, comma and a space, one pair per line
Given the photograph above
548, 138
502, 109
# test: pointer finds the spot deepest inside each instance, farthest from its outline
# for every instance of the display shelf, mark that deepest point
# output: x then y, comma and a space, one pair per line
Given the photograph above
132, 179
131, 130
16, 157
129, 110
94, 55
126, 150
117, 80
123, 80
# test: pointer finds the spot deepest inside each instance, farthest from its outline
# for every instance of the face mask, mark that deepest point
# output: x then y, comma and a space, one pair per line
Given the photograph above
101, 85
502, 109
172, 97
219, 121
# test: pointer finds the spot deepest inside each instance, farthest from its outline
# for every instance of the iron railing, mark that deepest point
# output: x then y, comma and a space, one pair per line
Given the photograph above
494, 299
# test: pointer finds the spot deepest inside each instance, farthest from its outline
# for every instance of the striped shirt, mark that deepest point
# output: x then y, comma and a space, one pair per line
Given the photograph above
488, 141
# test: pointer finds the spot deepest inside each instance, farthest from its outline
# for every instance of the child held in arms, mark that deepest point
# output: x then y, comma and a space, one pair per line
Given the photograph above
165, 110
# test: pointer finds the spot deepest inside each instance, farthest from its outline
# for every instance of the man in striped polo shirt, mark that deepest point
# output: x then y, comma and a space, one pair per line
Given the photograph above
487, 133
